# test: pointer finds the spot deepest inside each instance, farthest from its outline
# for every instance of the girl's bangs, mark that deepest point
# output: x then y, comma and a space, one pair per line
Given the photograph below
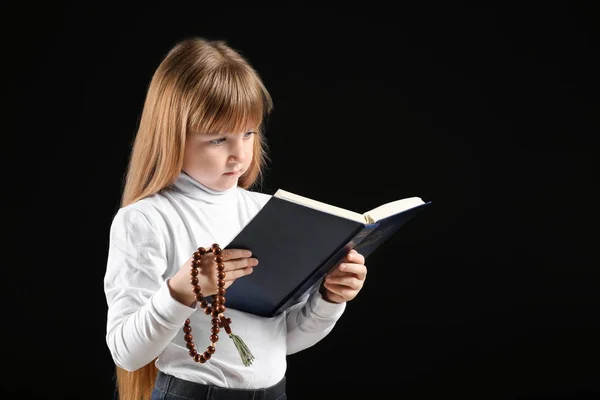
235, 104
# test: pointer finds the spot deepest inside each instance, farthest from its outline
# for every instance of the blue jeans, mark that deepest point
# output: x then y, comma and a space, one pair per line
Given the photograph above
168, 387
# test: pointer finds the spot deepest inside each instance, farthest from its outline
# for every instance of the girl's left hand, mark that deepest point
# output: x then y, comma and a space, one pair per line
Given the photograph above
344, 282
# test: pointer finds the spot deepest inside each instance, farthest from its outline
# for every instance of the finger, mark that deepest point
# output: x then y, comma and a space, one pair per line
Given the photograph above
335, 297
238, 273
360, 270
233, 254
228, 283
343, 291
337, 271
355, 257
241, 263
348, 281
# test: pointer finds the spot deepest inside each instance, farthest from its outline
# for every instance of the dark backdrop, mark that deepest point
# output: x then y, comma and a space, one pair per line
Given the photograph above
491, 113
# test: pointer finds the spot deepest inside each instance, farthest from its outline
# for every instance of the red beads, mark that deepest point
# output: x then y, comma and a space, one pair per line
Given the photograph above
215, 310
219, 299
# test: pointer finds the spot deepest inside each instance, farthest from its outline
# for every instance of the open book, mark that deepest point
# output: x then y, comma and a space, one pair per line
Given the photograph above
297, 240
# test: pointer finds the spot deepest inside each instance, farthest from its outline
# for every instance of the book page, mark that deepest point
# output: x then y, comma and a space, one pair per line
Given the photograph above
328, 208
392, 208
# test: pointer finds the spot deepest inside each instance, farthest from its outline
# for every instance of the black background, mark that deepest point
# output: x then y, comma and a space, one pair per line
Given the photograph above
491, 112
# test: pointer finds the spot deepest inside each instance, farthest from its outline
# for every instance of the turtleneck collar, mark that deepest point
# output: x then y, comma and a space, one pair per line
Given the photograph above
190, 187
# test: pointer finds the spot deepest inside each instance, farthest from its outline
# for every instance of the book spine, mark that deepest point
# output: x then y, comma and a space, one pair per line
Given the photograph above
352, 242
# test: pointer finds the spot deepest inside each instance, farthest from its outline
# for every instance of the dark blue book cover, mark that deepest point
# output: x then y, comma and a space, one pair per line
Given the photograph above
296, 245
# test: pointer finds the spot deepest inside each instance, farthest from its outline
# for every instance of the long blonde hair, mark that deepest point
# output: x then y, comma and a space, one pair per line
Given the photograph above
200, 86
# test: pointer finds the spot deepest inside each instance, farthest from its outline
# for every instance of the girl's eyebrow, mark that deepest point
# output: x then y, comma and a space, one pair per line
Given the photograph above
216, 135
221, 134
230, 133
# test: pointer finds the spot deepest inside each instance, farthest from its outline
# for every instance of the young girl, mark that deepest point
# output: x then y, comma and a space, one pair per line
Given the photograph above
198, 151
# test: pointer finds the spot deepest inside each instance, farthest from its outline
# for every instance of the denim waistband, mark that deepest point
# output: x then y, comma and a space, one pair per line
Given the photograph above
196, 391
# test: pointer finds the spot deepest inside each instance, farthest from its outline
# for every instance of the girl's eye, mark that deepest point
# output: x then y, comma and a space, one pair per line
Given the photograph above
219, 141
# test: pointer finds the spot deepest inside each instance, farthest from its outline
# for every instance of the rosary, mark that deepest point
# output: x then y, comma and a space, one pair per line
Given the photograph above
216, 310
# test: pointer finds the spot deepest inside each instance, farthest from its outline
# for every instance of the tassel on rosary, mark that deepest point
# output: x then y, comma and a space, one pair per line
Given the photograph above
244, 351
242, 348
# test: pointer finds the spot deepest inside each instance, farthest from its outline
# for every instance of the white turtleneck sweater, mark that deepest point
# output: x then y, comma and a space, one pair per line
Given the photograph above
149, 242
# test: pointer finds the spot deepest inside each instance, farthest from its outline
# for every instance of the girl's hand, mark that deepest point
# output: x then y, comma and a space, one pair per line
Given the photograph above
344, 282
237, 262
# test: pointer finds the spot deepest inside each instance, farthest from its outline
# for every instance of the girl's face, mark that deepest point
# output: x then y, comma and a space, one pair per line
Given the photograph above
217, 161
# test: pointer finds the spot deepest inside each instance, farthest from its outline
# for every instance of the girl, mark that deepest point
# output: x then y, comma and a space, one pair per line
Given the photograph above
198, 151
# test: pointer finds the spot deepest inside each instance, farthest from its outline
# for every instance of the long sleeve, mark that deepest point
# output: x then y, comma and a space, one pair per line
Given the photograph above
142, 316
310, 320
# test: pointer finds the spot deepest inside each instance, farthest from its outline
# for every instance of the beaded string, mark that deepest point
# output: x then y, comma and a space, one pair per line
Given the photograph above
216, 310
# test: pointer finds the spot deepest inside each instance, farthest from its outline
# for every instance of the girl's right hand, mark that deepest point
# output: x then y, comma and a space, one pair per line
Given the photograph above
237, 262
